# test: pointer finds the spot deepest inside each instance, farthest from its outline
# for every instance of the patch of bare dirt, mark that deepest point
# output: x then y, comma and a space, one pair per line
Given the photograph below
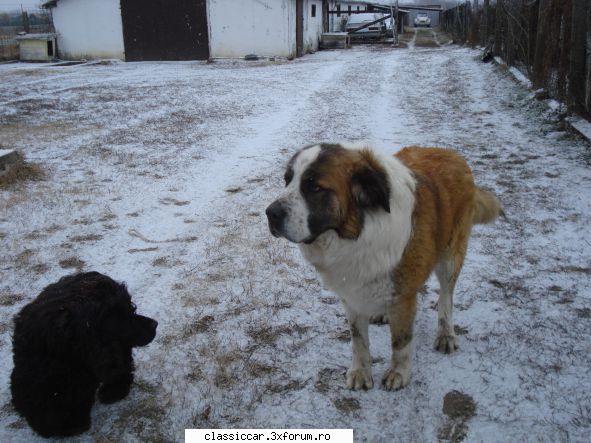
10, 299
72, 262
459, 408
426, 38
347, 404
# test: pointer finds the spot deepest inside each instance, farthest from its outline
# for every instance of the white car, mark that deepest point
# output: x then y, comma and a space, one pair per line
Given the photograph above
422, 19
376, 30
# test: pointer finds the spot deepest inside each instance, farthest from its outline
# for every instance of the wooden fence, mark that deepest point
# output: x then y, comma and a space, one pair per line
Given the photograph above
549, 40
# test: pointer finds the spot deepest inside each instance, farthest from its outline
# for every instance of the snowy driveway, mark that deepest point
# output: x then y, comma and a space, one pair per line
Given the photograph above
158, 174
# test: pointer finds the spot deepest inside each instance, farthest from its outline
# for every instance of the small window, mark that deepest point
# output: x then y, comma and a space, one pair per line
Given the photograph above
338, 10
349, 9
49, 48
357, 8
313, 10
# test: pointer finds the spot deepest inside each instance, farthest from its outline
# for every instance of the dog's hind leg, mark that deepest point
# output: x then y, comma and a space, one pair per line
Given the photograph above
447, 271
401, 315
359, 374
445, 341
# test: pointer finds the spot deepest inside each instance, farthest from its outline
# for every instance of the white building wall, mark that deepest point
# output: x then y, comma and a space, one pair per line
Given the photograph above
238, 28
312, 25
89, 29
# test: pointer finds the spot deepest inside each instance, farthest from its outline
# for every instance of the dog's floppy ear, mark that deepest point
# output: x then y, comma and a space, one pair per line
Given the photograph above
370, 188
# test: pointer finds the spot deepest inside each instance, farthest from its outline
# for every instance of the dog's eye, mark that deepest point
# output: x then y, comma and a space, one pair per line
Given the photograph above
312, 186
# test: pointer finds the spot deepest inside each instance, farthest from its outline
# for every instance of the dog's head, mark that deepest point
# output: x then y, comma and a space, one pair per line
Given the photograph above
117, 320
88, 306
328, 187
124, 325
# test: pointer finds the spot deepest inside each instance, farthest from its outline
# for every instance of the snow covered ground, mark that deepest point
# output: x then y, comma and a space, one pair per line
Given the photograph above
158, 174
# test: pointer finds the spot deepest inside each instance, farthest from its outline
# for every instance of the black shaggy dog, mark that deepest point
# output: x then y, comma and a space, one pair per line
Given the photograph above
75, 337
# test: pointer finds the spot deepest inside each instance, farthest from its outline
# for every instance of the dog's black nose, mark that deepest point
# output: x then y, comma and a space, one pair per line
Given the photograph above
144, 330
275, 214
153, 324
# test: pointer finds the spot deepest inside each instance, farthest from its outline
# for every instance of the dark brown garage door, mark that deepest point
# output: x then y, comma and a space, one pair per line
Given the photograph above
165, 30
299, 28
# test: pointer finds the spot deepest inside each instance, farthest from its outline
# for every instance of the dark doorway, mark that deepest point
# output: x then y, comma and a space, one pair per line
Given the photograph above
165, 30
324, 15
299, 28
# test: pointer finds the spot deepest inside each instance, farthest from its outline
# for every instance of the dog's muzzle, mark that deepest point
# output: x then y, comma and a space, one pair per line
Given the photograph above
145, 330
276, 214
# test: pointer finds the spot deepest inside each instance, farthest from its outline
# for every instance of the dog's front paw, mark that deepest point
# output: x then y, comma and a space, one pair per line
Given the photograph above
359, 379
446, 344
395, 379
110, 393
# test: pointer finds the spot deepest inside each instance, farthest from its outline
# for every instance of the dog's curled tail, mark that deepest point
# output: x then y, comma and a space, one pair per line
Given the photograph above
486, 207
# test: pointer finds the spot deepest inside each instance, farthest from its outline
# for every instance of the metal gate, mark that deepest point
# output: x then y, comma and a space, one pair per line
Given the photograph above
165, 30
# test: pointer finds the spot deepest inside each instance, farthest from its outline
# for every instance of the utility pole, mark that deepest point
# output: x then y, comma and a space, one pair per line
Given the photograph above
394, 22
25, 20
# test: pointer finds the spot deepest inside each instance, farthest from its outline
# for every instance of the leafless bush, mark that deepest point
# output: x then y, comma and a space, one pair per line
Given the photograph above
21, 171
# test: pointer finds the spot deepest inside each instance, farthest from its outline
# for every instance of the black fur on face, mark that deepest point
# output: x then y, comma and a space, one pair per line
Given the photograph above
339, 187
74, 338
371, 189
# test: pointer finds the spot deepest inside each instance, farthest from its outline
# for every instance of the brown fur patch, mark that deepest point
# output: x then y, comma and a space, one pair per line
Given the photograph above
336, 169
442, 222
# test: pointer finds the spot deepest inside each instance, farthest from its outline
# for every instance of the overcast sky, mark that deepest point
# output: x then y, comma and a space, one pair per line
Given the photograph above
10, 5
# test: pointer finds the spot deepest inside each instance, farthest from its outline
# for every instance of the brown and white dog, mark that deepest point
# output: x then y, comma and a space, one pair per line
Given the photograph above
375, 227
